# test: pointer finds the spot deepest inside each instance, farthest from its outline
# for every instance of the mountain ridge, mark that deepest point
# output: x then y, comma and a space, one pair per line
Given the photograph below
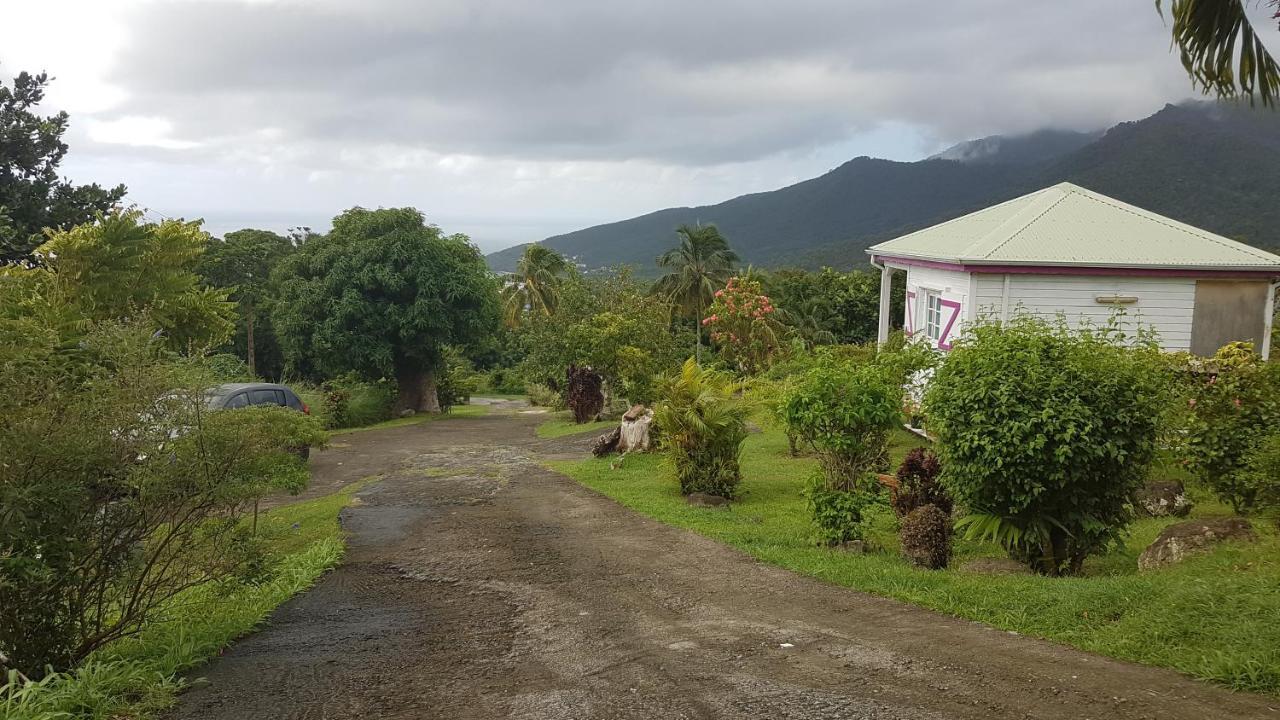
1212, 165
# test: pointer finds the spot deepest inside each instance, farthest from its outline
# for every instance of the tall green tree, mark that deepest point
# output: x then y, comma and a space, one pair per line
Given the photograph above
382, 295
242, 263
32, 196
535, 285
1221, 50
119, 267
697, 267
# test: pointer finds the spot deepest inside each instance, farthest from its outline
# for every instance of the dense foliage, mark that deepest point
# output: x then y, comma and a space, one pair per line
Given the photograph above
610, 323
118, 266
829, 307
1045, 433
32, 195
702, 418
118, 491
382, 295
242, 263
1233, 406
743, 325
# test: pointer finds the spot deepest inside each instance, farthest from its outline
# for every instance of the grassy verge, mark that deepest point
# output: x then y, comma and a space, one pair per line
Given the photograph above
1215, 617
139, 677
561, 424
459, 411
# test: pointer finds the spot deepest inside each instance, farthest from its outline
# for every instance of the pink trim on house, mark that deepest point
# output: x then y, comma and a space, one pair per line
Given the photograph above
909, 328
955, 313
1080, 269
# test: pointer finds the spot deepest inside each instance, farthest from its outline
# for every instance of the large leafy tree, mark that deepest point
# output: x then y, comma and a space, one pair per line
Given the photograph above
697, 267
242, 262
535, 286
32, 196
1221, 50
118, 268
382, 295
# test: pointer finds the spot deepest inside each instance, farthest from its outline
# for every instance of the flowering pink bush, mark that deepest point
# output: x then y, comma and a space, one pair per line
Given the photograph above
743, 324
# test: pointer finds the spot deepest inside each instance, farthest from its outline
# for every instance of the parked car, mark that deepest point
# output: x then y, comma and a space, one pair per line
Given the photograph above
231, 396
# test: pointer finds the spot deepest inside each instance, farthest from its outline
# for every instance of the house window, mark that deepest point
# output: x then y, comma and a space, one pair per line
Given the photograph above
933, 316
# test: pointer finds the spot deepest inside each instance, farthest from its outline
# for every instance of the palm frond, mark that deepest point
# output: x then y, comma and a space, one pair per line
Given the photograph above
1221, 51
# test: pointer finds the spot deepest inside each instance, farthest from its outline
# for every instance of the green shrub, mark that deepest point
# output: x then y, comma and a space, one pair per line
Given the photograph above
844, 411
1233, 404
505, 381
104, 516
1262, 472
1045, 433
919, 484
702, 419
837, 514
926, 537
542, 396
457, 381
227, 368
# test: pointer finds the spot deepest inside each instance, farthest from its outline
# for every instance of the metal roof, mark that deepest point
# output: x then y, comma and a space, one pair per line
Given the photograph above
1070, 226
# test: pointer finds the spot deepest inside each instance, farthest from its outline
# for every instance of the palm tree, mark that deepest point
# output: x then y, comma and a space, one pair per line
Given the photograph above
535, 285
1221, 50
698, 267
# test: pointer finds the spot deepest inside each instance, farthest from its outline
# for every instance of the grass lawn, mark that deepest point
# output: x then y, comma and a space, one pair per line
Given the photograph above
561, 424
1215, 617
456, 411
138, 677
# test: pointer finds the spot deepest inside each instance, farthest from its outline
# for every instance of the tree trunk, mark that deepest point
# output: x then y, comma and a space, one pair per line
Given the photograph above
248, 337
417, 390
697, 346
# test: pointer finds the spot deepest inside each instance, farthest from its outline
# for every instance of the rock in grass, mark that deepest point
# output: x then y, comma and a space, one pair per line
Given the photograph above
995, 566
1163, 498
1193, 536
706, 500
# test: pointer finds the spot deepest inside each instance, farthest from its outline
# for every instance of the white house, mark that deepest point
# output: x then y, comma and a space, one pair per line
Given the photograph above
1067, 251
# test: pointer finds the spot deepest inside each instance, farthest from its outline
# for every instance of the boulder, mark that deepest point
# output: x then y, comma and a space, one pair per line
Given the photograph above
706, 500
1162, 498
1193, 536
995, 566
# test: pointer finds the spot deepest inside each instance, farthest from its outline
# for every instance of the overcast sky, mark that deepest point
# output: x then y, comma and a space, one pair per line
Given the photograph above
511, 120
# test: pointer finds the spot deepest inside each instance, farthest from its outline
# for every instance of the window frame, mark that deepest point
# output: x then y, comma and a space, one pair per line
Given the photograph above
932, 325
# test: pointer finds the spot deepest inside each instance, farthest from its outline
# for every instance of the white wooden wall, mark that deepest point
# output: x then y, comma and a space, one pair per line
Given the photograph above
1164, 304
953, 285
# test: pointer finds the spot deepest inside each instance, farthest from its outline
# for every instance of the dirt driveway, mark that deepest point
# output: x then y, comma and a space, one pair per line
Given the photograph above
479, 585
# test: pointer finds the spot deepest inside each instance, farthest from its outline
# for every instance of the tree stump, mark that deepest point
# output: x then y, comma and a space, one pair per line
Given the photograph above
635, 429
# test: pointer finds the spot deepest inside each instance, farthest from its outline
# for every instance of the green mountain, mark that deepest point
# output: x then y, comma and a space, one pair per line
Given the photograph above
1216, 166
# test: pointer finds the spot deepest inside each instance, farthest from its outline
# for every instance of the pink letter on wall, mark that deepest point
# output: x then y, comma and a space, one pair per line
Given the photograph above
951, 321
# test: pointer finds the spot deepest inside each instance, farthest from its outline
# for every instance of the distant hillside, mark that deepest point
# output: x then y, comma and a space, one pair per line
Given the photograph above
1210, 165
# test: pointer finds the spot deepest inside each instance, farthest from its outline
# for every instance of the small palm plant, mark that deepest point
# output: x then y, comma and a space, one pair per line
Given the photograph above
703, 421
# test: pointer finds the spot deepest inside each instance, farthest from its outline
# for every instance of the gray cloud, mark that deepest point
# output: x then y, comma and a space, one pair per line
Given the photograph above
669, 82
